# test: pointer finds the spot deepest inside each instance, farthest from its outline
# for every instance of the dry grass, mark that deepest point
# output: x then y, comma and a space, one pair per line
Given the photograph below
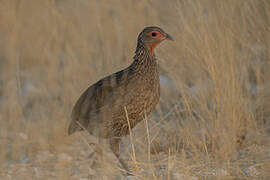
213, 118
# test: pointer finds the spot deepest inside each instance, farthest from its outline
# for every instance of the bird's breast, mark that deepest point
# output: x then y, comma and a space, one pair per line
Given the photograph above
146, 95
142, 95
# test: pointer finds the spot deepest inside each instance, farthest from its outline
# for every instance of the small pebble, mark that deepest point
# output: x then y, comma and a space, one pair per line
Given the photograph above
251, 171
64, 157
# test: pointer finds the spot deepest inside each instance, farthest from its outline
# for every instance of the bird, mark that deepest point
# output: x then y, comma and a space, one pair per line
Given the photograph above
114, 105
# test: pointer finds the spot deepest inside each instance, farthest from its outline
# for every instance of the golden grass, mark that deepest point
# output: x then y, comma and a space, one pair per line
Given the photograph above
214, 110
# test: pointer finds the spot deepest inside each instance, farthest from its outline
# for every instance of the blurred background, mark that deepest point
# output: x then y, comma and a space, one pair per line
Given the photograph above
213, 117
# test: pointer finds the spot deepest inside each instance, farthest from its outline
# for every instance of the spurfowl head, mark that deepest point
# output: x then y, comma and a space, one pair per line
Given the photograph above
151, 36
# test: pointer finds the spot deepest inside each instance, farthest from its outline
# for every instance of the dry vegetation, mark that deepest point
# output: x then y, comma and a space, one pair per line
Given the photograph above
213, 120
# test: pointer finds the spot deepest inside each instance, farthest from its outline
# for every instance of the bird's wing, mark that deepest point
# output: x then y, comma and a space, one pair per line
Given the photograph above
100, 99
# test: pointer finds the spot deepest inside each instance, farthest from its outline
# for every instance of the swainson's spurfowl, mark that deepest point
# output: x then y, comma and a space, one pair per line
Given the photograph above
133, 92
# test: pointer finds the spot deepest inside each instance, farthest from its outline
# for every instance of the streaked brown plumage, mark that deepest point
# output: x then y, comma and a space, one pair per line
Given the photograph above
101, 108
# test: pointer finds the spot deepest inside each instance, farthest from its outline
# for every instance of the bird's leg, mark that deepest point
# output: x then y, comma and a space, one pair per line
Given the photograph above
98, 151
115, 147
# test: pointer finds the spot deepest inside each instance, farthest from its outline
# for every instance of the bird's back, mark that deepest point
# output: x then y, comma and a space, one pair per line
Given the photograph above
99, 101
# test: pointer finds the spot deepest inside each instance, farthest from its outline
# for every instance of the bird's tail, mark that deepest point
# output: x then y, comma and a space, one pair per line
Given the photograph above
74, 126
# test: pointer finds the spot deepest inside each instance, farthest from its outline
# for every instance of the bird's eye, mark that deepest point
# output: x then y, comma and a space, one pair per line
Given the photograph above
154, 34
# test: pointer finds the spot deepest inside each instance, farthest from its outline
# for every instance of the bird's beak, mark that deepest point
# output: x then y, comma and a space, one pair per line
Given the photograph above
168, 37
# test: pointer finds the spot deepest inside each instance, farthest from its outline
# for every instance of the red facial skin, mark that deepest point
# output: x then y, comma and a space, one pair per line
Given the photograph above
161, 37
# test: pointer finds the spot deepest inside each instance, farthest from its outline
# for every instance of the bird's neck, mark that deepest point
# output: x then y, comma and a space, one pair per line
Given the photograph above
144, 58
